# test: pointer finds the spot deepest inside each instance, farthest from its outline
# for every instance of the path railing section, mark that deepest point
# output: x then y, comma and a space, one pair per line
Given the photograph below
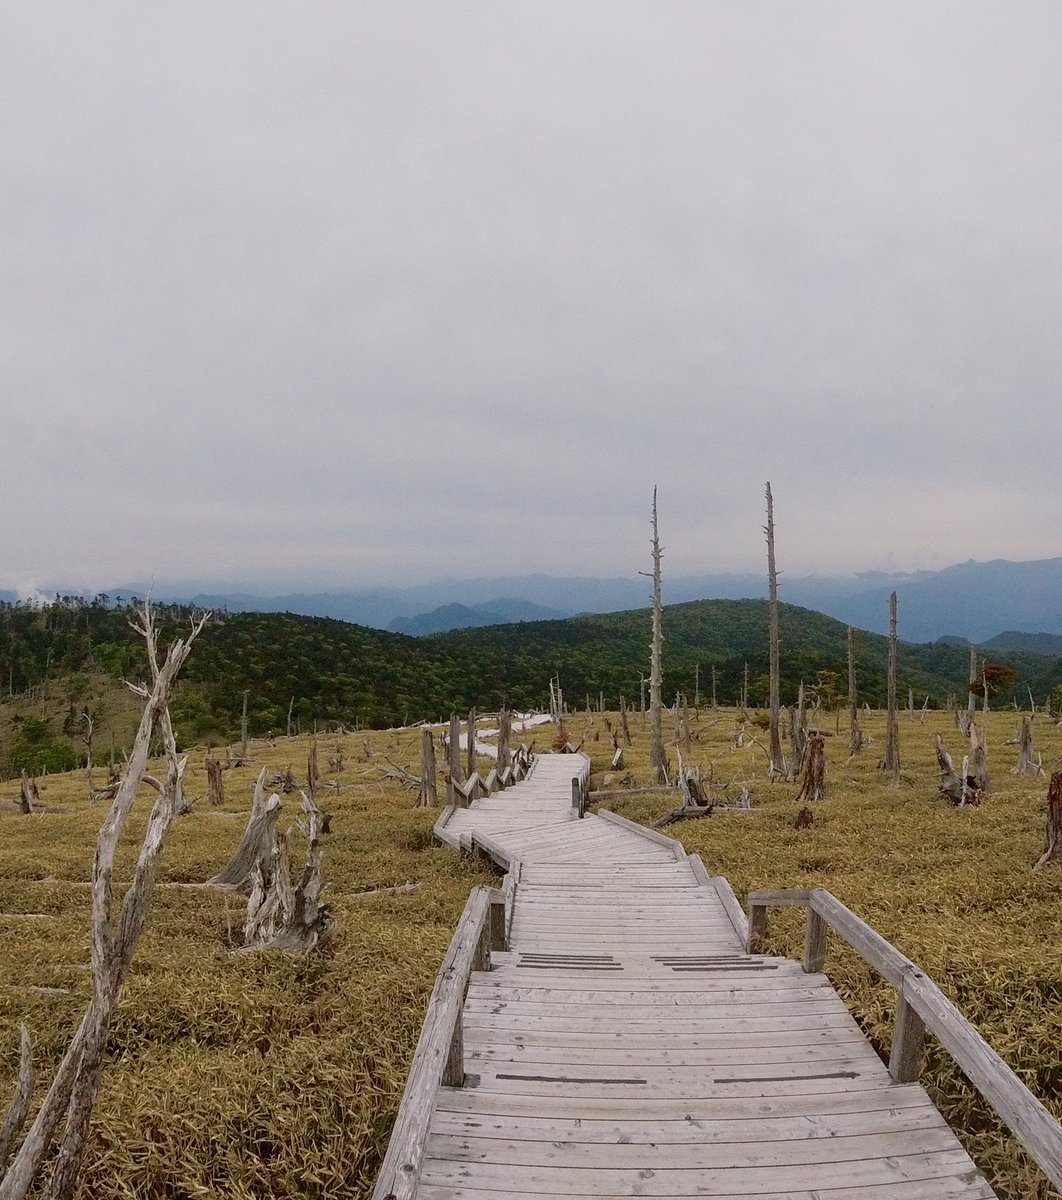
461, 795
921, 1006
439, 1060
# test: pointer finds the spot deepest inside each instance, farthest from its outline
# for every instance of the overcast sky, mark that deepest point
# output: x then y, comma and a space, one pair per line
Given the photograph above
342, 293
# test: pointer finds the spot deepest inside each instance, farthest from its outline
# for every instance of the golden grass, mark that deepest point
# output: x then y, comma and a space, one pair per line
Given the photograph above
239, 1075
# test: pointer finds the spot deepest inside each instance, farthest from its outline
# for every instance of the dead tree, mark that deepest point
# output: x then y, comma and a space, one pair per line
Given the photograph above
282, 914
335, 761
243, 759
891, 761
291, 707
856, 734
454, 749
1053, 848
1028, 762
715, 680
88, 754
657, 759
979, 761
798, 735
971, 695
776, 766
28, 793
256, 845
623, 723
72, 1094
470, 749
813, 785
505, 736
20, 1102
745, 688
951, 785
428, 795
215, 781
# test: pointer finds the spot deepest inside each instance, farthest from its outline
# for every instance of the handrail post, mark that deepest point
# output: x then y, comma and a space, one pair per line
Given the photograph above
454, 1071
757, 924
908, 1035
814, 942
498, 936
577, 796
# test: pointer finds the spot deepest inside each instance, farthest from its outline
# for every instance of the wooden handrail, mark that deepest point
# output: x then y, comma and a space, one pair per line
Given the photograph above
921, 1005
438, 1060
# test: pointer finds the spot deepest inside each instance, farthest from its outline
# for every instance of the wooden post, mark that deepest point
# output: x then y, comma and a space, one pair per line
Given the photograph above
776, 769
498, 939
814, 943
908, 1035
757, 925
577, 797
454, 1071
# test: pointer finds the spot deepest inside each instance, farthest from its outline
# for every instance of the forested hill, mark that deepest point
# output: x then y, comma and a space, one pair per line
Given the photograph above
59, 656
609, 652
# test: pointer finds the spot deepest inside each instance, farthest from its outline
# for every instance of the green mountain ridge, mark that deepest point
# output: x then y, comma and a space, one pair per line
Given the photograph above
324, 670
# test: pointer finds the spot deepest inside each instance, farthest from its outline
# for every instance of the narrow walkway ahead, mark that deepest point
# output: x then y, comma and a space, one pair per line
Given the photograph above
626, 1045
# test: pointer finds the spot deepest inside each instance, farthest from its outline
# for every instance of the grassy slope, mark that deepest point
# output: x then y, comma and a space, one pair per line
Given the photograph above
239, 1076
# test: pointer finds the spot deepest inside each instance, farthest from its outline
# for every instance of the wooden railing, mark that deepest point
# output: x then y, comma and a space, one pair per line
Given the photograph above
921, 1006
581, 790
440, 1053
461, 795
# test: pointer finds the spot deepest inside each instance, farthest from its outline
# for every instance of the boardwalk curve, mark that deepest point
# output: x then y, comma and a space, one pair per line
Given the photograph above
626, 1044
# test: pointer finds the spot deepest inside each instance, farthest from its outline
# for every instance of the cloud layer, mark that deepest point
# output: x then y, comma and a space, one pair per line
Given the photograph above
350, 293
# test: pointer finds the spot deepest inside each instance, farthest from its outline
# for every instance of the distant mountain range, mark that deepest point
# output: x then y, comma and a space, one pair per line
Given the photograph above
472, 616
970, 600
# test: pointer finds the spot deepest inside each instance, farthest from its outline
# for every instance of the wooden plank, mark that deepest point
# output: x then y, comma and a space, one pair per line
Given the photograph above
593, 1181
744, 1157
613, 1130
962, 1185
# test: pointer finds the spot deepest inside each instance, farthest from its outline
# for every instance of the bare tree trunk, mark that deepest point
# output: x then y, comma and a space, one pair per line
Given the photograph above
1053, 849
429, 795
456, 774
505, 734
715, 680
1028, 762
256, 845
243, 731
291, 707
88, 754
776, 768
657, 758
623, 723
470, 749
20, 1102
798, 736
971, 698
855, 744
891, 761
813, 785
745, 688
641, 679
979, 761
215, 781
950, 784
72, 1093
28, 794
697, 687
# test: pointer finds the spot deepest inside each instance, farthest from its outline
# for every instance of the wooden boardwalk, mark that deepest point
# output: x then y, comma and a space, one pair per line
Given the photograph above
627, 1045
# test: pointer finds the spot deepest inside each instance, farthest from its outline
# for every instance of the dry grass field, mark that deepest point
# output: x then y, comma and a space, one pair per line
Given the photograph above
250, 1075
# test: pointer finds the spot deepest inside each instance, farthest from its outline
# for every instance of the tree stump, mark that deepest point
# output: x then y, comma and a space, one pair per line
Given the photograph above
256, 845
215, 782
1053, 849
813, 785
28, 794
951, 785
1028, 763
